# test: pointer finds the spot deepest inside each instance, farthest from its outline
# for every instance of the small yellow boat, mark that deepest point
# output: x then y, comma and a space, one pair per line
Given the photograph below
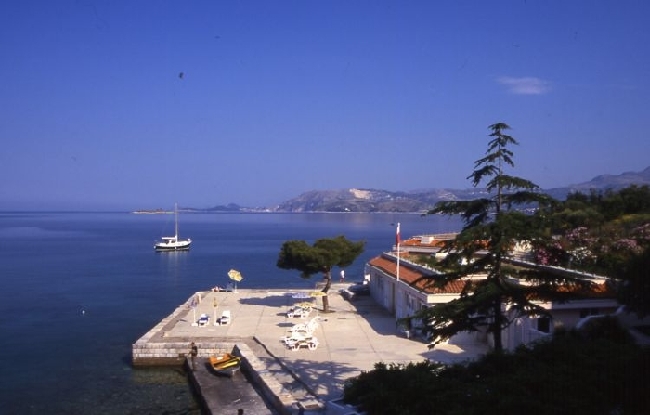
226, 363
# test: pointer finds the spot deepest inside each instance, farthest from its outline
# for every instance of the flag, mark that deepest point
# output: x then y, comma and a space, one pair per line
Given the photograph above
397, 237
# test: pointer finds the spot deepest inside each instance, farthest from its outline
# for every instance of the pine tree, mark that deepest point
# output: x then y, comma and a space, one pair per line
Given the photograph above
319, 258
492, 227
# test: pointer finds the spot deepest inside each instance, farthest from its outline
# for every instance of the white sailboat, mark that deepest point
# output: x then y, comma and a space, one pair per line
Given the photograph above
173, 243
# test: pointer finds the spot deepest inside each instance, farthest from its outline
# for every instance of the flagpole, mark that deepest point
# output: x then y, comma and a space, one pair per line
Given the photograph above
397, 239
214, 310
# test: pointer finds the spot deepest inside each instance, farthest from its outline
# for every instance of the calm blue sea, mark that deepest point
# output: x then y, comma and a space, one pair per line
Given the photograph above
79, 288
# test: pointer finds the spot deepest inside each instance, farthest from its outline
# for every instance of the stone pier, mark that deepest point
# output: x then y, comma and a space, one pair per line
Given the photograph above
352, 337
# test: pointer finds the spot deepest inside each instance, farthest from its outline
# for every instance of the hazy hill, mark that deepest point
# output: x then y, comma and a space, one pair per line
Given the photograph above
376, 200
372, 200
617, 181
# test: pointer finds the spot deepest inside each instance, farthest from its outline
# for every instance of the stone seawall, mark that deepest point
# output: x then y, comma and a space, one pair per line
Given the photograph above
174, 354
168, 344
153, 349
273, 391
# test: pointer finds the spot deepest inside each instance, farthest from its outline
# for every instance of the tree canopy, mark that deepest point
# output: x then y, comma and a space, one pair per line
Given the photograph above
606, 232
319, 258
600, 232
575, 373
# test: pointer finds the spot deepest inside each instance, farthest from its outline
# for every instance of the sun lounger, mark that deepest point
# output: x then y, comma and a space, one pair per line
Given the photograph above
302, 312
203, 320
225, 318
310, 343
294, 337
308, 327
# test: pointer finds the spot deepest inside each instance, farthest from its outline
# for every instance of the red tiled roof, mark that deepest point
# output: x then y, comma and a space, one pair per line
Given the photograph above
577, 291
436, 243
415, 279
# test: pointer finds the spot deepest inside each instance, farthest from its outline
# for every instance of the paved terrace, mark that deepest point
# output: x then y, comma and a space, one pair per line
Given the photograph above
352, 338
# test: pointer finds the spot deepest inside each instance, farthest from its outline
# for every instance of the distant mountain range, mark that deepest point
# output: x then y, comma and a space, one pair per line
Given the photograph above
376, 200
616, 181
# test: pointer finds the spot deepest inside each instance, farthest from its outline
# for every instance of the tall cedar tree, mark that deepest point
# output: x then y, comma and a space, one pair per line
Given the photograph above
320, 258
491, 229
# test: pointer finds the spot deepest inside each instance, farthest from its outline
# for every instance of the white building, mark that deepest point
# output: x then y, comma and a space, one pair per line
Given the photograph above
405, 291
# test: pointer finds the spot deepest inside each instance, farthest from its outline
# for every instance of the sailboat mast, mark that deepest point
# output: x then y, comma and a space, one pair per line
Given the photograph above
176, 220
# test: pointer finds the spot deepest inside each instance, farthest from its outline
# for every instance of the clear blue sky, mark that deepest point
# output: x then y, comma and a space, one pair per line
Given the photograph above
139, 104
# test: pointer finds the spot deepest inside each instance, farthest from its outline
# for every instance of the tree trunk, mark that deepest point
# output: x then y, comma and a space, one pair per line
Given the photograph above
496, 310
328, 284
326, 304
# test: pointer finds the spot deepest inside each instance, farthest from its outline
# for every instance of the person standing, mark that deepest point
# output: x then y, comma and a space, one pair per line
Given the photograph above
194, 351
342, 275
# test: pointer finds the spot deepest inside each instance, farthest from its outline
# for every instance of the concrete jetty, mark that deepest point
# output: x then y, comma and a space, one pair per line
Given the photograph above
353, 336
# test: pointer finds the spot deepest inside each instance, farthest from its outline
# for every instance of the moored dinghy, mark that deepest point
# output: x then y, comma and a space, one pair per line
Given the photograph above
225, 364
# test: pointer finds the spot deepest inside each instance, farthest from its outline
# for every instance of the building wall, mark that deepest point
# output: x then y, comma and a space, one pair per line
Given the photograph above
403, 301
568, 317
526, 330
383, 291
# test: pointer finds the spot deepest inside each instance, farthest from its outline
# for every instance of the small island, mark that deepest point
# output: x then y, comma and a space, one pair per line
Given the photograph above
152, 212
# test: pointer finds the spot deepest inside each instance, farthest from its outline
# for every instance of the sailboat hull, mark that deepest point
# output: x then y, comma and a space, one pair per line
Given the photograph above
178, 246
